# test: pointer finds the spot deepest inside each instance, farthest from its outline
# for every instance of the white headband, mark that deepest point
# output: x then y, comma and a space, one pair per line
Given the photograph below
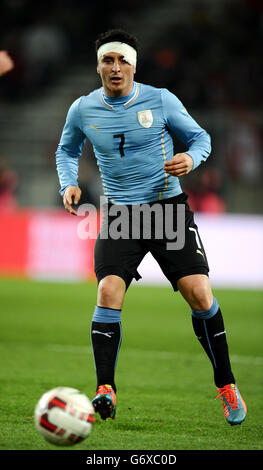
128, 52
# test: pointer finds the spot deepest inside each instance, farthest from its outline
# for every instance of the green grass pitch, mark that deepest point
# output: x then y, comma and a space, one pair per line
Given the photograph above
166, 395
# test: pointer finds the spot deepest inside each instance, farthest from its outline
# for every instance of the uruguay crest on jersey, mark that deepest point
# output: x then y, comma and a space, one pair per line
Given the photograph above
145, 118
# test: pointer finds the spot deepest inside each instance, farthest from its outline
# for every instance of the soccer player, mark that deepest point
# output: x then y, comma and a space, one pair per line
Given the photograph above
130, 126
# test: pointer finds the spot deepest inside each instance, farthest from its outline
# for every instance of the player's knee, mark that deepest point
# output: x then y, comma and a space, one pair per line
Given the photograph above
202, 297
111, 291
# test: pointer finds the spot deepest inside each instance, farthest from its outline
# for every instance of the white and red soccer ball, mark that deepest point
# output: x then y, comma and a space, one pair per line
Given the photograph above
64, 416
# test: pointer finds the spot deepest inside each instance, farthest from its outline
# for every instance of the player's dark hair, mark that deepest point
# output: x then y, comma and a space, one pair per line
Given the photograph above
118, 35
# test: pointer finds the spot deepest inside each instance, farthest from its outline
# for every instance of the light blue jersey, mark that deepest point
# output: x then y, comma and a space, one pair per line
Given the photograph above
132, 139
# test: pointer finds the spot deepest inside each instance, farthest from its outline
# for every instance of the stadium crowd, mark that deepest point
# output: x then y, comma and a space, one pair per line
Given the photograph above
211, 61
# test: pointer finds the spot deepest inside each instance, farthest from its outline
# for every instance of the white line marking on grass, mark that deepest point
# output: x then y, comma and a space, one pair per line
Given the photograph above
154, 354
146, 353
71, 348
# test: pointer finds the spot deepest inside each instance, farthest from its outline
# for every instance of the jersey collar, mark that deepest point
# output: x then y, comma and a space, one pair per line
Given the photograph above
125, 101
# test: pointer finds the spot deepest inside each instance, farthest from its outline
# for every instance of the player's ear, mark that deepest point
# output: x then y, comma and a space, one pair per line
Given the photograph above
98, 68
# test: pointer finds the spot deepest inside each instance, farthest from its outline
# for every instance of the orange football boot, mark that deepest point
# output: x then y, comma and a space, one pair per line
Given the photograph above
104, 402
235, 409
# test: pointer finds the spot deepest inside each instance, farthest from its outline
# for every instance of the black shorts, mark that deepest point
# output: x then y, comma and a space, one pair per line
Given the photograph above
122, 256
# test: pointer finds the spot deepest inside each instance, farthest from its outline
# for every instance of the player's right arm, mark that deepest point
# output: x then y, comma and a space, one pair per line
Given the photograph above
67, 157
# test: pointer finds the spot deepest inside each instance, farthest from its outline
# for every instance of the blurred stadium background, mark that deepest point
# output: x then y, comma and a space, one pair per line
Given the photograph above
208, 52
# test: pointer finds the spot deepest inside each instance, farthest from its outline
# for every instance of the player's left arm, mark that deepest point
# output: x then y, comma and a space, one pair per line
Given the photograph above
196, 139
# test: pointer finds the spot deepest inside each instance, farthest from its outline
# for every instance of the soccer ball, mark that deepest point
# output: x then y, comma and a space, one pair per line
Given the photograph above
64, 416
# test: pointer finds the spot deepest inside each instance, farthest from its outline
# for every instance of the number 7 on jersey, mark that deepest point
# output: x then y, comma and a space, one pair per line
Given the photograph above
121, 146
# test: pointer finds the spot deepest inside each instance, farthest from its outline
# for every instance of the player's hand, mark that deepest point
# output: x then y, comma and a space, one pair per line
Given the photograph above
179, 165
6, 62
71, 197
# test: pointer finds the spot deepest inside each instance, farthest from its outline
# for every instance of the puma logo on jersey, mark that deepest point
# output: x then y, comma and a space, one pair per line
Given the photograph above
94, 127
200, 252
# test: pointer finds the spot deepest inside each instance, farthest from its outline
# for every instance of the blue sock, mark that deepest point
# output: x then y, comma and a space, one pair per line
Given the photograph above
206, 314
106, 315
